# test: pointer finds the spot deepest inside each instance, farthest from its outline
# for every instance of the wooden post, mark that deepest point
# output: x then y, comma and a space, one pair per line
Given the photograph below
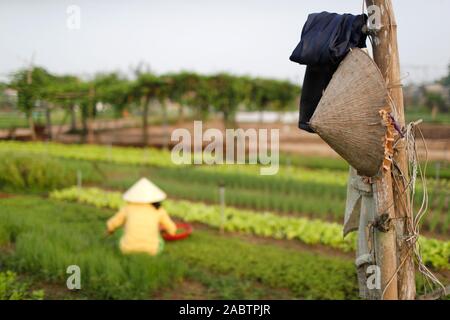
391, 194
385, 243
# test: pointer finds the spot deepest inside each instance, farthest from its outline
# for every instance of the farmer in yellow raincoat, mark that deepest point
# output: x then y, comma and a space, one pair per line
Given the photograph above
142, 217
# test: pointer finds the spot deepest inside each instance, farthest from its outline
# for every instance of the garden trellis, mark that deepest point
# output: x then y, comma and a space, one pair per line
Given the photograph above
223, 93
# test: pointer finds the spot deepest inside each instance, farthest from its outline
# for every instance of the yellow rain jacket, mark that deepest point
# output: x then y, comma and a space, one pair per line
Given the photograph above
142, 222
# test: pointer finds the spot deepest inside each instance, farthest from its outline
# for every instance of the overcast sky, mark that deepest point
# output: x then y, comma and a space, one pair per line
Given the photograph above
253, 37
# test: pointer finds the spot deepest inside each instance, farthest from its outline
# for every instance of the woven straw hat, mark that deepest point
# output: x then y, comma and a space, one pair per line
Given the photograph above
349, 116
144, 191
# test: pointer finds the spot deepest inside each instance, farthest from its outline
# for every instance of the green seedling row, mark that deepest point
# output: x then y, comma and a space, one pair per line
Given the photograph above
49, 235
436, 253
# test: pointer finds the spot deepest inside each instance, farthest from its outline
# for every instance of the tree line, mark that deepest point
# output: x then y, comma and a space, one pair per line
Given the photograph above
218, 93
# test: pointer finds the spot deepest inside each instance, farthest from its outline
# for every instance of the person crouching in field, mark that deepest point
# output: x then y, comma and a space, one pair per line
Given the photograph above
142, 216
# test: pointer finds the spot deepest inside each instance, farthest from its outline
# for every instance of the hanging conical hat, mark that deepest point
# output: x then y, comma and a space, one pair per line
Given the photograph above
348, 116
144, 191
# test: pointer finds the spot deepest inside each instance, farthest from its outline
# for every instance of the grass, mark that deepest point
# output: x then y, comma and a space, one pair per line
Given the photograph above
307, 275
48, 235
425, 114
10, 120
204, 284
17, 119
32, 173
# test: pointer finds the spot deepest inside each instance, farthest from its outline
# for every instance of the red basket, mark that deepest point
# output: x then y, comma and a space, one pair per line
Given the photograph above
183, 231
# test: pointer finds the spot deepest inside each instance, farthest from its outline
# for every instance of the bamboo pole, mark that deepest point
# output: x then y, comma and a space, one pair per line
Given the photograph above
385, 52
385, 242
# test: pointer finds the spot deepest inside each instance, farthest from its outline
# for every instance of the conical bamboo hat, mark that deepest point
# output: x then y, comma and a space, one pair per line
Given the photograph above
348, 115
144, 191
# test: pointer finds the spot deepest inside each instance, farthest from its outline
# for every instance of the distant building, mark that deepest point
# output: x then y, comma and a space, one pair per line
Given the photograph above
438, 89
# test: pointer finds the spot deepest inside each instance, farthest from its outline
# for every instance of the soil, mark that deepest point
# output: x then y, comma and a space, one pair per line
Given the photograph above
186, 290
6, 195
57, 291
190, 289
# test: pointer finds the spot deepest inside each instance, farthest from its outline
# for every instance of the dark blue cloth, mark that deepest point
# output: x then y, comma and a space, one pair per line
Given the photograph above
326, 39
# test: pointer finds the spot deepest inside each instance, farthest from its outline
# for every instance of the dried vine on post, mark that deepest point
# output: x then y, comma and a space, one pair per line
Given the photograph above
392, 187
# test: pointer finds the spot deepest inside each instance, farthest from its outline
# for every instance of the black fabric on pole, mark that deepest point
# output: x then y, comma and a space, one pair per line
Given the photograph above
315, 81
325, 40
